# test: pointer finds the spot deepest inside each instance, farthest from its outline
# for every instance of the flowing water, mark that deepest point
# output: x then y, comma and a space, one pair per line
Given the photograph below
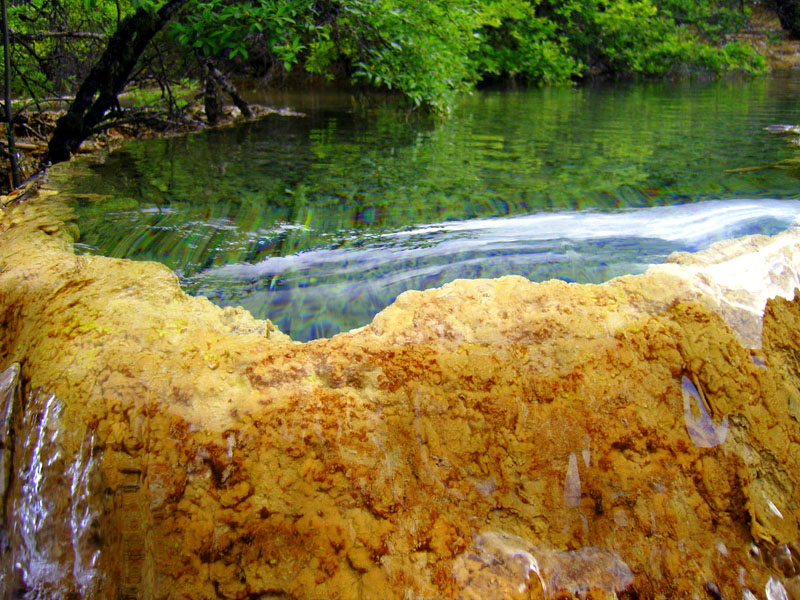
319, 222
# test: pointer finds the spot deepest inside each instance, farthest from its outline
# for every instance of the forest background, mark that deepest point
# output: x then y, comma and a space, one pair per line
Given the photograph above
81, 55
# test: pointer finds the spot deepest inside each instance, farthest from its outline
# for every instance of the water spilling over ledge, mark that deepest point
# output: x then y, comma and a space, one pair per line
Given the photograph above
487, 439
320, 223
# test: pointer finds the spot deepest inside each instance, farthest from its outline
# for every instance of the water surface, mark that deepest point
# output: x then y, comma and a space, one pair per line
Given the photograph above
320, 222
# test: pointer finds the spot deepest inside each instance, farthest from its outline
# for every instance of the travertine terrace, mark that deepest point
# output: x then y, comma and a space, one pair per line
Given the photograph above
488, 439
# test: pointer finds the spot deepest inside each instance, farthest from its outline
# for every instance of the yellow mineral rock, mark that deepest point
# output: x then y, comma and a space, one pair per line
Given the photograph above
487, 439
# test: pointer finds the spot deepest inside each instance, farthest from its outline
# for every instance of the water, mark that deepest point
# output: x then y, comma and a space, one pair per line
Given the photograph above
320, 222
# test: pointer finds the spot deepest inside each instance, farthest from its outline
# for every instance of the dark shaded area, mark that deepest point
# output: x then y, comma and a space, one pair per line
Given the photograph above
12, 152
788, 12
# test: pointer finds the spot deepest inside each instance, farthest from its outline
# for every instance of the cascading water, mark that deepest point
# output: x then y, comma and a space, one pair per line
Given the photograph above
318, 223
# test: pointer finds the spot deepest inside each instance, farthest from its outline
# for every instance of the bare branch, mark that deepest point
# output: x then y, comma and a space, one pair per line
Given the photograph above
41, 35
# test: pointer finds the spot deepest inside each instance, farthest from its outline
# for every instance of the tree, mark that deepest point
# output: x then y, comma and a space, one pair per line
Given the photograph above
12, 151
426, 50
99, 91
420, 49
55, 42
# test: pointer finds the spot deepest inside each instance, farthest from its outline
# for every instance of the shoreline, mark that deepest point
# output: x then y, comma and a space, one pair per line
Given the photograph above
32, 148
763, 33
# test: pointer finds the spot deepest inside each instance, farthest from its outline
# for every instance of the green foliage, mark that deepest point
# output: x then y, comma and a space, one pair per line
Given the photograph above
148, 97
711, 19
551, 41
418, 48
47, 65
215, 28
516, 43
426, 50
430, 50
638, 37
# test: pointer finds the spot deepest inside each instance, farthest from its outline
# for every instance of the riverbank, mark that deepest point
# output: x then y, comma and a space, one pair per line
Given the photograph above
32, 136
763, 32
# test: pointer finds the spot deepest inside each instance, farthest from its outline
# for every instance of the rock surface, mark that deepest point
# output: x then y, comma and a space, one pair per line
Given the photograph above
488, 439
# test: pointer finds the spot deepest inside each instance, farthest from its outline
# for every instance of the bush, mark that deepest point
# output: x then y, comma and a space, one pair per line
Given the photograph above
426, 50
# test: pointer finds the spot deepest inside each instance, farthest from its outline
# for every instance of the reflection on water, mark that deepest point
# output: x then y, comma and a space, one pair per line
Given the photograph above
318, 223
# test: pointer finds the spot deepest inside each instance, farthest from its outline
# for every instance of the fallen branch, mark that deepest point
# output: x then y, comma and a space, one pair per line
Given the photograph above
64, 99
749, 169
34, 133
41, 35
789, 163
23, 145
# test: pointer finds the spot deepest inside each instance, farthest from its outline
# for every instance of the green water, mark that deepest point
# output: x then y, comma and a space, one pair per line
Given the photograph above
319, 222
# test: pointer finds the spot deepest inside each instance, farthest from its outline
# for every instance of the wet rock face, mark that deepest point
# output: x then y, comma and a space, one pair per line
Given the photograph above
488, 439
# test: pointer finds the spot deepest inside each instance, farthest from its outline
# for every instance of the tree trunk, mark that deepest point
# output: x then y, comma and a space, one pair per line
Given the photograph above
212, 99
222, 82
12, 151
107, 79
789, 14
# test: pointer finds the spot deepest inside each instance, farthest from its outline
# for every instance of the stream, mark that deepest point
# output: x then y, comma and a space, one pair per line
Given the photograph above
319, 222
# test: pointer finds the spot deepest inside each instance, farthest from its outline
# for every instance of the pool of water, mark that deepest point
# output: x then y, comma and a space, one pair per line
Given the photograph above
319, 222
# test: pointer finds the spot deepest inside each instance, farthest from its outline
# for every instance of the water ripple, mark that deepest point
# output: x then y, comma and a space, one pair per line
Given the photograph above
351, 283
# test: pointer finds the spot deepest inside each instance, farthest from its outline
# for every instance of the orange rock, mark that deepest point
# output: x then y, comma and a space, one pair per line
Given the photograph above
423, 456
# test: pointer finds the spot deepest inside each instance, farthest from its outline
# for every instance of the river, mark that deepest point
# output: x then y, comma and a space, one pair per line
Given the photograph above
319, 222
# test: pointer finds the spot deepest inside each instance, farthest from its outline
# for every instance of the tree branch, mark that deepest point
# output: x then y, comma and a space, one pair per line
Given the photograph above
98, 92
41, 35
